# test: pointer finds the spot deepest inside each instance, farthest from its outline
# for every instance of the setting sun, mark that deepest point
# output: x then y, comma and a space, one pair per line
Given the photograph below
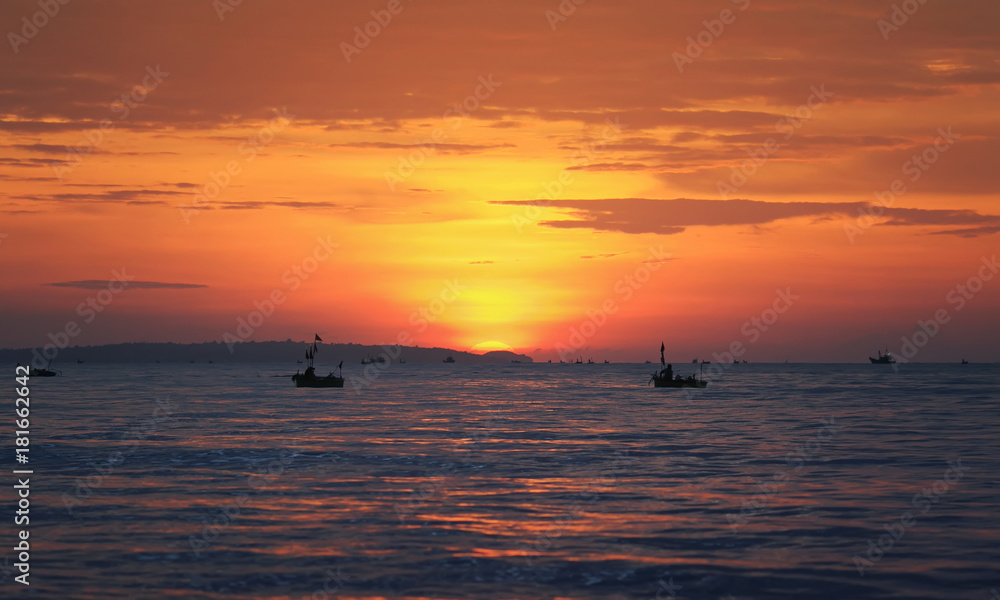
492, 346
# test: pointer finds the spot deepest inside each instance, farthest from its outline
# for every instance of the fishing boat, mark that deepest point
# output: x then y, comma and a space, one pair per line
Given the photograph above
965, 362
689, 382
666, 378
309, 379
883, 359
449, 360
46, 372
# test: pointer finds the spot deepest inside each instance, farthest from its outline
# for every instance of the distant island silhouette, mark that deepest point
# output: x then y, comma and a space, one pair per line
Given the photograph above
255, 352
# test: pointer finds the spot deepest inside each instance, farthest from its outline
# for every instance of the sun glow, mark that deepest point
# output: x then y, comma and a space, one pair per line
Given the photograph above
491, 346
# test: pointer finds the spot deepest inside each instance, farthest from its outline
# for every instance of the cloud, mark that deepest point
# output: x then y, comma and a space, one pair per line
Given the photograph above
97, 284
136, 196
261, 204
41, 148
28, 162
442, 147
970, 232
670, 217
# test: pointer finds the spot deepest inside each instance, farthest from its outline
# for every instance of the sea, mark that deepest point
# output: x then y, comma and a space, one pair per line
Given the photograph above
514, 481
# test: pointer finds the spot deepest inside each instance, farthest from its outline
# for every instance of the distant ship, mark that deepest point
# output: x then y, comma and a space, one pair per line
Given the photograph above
965, 362
883, 359
371, 360
450, 359
45, 372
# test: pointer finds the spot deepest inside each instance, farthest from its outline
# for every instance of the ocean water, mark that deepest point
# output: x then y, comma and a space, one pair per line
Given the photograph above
512, 481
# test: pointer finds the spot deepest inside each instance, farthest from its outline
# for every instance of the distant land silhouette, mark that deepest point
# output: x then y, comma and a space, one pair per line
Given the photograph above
251, 352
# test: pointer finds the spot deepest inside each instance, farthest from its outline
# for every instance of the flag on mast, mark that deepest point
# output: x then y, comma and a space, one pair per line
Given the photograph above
662, 348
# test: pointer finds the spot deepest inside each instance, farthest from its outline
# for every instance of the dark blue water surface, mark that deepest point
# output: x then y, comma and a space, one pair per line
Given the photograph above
515, 481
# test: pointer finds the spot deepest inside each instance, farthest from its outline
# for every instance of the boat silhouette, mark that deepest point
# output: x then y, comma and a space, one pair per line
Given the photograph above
44, 372
883, 359
309, 379
667, 379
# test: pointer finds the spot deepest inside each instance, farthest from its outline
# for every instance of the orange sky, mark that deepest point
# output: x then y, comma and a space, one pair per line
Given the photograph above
601, 113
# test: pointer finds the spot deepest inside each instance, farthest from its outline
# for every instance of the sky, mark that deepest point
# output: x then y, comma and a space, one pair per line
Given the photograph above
809, 181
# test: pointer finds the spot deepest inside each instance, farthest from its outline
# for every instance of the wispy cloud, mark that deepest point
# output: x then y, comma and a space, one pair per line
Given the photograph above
669, 217
98, 284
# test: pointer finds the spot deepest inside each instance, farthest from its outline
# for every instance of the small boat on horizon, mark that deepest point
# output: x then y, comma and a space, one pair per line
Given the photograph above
449, 360
667, 379
309, 379
965, 362
883, 359
47, 371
